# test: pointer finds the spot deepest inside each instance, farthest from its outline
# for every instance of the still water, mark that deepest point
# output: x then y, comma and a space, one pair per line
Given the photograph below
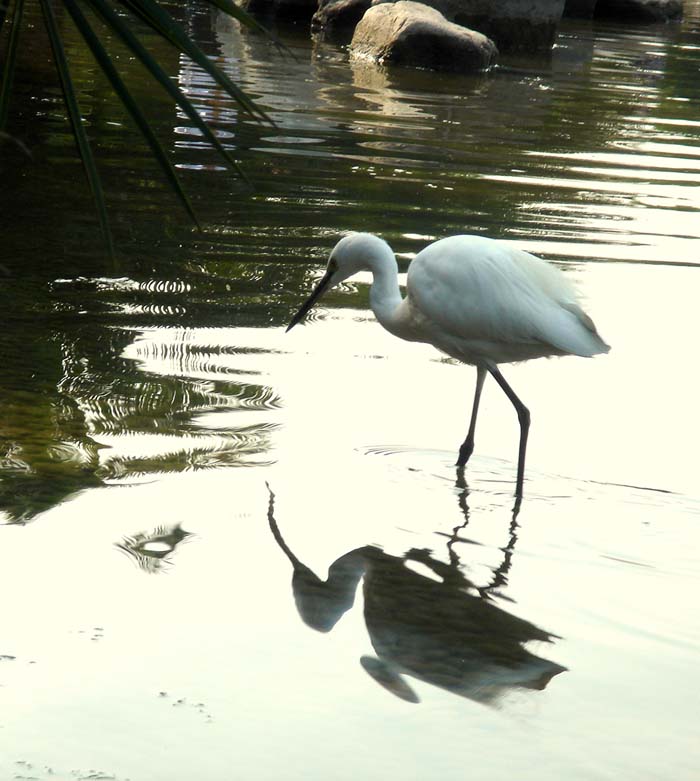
231, 553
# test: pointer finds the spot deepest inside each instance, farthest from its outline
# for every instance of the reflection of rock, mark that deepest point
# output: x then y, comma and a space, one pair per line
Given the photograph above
626, 10
380, 89
440, 630
409, 33
640, 10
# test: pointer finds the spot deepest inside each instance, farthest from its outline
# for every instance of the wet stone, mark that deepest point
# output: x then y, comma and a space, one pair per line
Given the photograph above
413, 34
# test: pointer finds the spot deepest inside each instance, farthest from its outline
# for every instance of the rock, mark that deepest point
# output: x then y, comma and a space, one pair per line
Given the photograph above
336, 19
580, 9
413, 34
289, 10
514, 25
640, 10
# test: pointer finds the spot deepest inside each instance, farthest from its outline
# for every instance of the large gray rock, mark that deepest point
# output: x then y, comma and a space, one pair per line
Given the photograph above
336, 20
640, 10
514, 25
413, 34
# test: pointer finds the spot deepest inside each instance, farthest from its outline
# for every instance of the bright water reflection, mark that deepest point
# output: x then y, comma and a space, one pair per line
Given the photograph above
149, 628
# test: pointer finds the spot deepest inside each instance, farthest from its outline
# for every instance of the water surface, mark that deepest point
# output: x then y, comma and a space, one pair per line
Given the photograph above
228, 552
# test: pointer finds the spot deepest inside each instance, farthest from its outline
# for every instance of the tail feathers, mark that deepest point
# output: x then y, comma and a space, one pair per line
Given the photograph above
576, 333
599, 346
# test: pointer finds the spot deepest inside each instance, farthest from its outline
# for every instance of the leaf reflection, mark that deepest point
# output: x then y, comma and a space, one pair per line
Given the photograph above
438, 628
153, 551
77, 413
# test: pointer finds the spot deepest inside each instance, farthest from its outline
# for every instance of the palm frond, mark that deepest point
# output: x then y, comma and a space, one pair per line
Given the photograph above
11, 56
106, 64
236, 12
157, 19
76, 120
162, 22
119, 26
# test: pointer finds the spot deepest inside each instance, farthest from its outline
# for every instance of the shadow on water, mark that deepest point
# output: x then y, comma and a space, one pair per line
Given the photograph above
438, 627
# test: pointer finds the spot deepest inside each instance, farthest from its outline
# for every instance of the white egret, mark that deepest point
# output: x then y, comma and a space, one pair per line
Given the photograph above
475, 299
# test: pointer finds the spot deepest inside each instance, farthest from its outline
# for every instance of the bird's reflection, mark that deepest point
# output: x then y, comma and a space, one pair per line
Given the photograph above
438, 628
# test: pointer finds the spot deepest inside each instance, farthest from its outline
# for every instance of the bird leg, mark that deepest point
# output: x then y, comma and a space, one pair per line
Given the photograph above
524, 420
467, 447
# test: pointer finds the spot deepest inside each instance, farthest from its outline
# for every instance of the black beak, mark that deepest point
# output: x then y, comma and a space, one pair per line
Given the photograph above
311, 300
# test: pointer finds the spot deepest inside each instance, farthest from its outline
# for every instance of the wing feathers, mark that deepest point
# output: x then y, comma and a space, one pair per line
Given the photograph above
482, 292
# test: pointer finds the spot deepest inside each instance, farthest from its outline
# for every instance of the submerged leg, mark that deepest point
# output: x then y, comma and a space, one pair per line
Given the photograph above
467, 447
523, 419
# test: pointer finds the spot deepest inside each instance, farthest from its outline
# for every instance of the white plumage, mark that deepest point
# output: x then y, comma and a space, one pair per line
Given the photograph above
495, 303
475, 299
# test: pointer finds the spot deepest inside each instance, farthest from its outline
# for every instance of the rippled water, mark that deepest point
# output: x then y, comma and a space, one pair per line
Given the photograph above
346, 605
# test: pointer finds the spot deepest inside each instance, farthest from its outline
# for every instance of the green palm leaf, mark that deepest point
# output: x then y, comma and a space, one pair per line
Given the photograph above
105, 62
76, 120
161, 21
11, 56
120, 27
235, 11
158, 19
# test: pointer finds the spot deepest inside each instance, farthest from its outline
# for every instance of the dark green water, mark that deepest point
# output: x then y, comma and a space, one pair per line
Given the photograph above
150, 631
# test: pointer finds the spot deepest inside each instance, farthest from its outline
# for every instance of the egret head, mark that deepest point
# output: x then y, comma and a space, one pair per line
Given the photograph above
351, 254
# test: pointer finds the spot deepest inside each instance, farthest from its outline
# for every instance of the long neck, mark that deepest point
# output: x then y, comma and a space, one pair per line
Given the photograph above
384, 295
